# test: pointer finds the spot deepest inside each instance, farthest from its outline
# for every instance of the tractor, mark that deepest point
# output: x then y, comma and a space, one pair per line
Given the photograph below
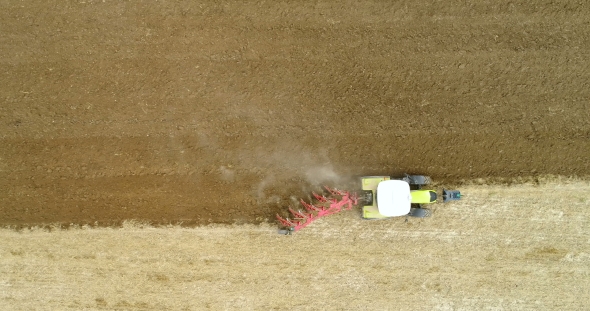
381, 197
385, 197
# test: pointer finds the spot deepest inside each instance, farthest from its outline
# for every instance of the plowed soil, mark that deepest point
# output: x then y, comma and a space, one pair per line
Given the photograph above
222, 111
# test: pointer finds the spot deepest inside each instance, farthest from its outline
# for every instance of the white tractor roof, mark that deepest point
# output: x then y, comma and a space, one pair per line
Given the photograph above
393, 198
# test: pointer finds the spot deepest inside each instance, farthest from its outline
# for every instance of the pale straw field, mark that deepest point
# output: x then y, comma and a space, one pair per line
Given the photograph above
520, 247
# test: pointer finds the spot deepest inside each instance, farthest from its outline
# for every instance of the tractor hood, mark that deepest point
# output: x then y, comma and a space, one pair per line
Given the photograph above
393, 198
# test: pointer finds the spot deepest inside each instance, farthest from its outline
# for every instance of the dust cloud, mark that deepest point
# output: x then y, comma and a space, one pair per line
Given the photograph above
309, 169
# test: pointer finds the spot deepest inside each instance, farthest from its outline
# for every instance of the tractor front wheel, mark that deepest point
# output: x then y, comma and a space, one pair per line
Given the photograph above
420, 212
418, 180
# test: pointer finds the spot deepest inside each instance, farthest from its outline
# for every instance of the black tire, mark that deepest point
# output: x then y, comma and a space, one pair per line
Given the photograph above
420, 212
418, 180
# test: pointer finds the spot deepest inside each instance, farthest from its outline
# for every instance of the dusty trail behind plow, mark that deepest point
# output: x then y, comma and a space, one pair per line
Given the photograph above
523, 247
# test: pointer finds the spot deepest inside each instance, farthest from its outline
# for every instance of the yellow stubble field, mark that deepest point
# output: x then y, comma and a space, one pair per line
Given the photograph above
519, 247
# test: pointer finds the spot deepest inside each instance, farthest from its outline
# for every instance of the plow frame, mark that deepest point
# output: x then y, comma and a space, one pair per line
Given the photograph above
339, 201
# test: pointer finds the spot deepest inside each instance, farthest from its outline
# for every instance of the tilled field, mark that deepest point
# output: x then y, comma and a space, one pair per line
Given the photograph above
523, 247
219, 111
194, 113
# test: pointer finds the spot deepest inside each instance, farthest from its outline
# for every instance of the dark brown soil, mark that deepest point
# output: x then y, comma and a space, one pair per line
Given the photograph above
224, 112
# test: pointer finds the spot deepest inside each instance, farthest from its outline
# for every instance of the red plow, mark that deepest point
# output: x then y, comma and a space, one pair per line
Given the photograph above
337, 202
